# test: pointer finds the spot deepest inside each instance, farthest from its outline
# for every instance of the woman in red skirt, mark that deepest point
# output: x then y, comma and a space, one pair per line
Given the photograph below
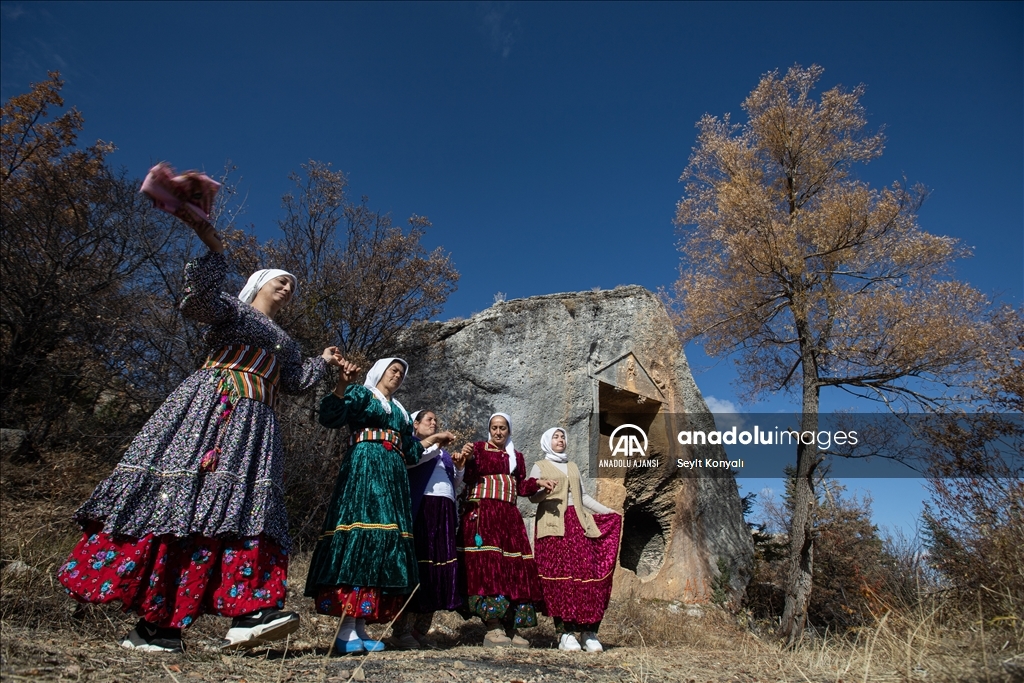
576, 550
192, 520
495, 557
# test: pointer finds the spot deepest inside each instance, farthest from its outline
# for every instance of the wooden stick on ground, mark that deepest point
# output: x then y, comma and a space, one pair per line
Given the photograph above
359, 669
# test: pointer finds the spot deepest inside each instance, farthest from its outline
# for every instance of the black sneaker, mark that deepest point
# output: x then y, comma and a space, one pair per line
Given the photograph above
149, 638
259, 627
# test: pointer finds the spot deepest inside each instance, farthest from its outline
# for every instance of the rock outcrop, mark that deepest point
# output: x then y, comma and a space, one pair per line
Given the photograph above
578, 360
16, 444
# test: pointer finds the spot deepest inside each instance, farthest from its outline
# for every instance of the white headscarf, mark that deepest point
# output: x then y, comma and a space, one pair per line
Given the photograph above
509, 447
374, 375
545, 445
262, 277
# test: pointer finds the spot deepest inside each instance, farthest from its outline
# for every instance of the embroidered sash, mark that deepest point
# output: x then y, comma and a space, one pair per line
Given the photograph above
384, 435
247, 372
497, 486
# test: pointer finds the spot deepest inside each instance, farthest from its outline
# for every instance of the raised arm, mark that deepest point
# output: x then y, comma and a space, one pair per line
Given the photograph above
414, 453
204, 301
471, 471
412, 448
460, 475
429, 455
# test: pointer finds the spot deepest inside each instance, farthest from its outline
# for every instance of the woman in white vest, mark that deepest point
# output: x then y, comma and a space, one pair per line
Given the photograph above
576, 547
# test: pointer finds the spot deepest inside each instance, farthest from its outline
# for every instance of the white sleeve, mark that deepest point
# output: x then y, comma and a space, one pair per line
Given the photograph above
535, 472
429, 455
592, 504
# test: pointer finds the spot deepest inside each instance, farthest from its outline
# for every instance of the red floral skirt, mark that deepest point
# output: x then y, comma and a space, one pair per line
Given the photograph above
169, 581
576, 571
361, 602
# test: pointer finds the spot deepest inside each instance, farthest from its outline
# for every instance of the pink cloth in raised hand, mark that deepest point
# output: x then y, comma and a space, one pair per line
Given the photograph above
189, 193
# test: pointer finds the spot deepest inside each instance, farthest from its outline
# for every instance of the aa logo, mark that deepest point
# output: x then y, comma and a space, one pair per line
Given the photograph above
625, 441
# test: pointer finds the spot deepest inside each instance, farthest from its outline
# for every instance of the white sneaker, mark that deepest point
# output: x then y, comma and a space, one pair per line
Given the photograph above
568, 643
591, 643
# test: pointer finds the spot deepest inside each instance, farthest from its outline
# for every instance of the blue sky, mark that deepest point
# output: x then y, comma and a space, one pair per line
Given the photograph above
544, 141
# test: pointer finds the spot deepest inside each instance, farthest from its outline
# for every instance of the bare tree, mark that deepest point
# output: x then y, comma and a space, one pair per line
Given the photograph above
363, 279
75, 233
974, 522
814, 279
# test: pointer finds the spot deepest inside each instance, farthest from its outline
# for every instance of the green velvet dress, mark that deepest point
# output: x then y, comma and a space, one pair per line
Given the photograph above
367, 536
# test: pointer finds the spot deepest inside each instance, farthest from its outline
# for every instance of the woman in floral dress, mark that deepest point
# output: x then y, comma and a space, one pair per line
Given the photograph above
364, 565
192, 520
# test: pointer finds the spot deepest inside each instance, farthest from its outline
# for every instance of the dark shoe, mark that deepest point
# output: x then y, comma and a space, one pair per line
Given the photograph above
149, 638
259, 627
406, 641
425, 643
401, 632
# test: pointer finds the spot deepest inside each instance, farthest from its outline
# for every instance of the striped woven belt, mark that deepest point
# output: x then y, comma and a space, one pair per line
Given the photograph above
247, 372
496, 486
384, 435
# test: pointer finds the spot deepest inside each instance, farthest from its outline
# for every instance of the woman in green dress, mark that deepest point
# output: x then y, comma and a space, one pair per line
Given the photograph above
364, 565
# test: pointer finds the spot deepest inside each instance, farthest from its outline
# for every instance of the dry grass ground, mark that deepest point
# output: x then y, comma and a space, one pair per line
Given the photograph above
44, 635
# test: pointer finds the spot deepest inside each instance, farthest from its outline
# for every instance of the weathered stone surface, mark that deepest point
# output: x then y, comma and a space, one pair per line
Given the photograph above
563, 360
16, 445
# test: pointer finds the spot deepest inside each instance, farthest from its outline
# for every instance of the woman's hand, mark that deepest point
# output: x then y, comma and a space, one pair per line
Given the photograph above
467, 453
459, 460
333, 356
441, 439
547, 484
202, 227
347, 372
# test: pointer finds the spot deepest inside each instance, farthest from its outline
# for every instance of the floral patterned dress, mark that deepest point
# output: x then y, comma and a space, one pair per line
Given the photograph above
173, 533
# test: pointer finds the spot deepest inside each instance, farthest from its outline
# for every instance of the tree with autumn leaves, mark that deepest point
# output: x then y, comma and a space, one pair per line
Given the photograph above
812, 279
69, 253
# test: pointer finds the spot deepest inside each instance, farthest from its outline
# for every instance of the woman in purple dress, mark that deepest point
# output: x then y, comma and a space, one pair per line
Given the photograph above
192, 520
434, 483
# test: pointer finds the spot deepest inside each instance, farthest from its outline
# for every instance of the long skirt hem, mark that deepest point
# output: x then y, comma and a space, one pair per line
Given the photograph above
495, 557
170, 581
361, 602
576, 571
434, 530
